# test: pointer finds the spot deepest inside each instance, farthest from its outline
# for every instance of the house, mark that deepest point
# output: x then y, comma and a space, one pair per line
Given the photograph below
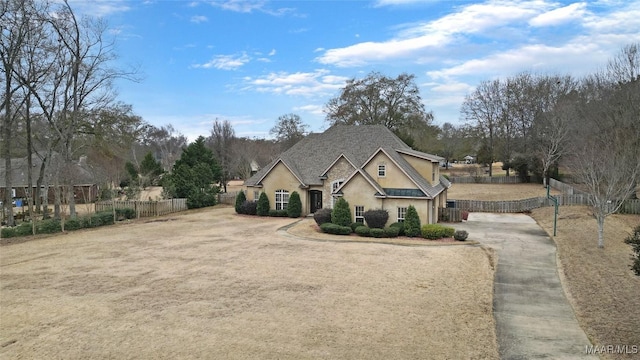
367, 165
85, 189
469, 159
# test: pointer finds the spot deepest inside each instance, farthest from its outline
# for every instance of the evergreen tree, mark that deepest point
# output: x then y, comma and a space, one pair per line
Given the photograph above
240, 199
194, 175
294, 209
341, 214
412, 222
263, 205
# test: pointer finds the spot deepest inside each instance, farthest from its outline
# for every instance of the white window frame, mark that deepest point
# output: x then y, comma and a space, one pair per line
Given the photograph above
334, 186
256, 195
382, 170
402, 213
282, 199
358, 216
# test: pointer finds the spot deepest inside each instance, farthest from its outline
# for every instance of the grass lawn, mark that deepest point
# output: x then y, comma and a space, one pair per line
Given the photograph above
603, 290
497, 192
212, 284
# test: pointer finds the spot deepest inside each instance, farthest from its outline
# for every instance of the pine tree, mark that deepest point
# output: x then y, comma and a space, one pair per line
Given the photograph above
294, 208
412, 222
263, 205
341, 214
240, 199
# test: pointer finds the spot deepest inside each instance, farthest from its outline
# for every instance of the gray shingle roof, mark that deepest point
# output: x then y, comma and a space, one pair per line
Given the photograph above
311, 156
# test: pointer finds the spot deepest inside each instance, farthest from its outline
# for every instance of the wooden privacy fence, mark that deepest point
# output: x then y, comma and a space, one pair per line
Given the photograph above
449, 215
485, 180
524, 205
145, 208
227, 198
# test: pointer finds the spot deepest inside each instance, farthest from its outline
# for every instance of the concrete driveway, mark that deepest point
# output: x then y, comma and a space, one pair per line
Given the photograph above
533, 317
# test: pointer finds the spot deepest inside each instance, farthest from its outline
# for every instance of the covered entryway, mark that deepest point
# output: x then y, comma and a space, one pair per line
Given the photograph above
315, 200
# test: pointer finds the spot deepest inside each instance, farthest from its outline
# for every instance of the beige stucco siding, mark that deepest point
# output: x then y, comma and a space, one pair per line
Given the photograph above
280, 178
341, 170
394, 177
427, 169
359, 192
422, 207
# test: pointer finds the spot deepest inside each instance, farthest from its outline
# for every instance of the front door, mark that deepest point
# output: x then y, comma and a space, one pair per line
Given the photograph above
316, 200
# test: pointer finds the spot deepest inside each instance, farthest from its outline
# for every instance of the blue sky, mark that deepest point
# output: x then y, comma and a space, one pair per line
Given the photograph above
251, 61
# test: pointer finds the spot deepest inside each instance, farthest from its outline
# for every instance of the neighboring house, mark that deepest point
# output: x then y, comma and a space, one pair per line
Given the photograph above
367, 165
469, 159
85, 190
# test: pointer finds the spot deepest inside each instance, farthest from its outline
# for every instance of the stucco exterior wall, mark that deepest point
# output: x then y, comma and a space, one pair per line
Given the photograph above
359, 192
422, 207
341, 170
394, 177
280, 178
429, 170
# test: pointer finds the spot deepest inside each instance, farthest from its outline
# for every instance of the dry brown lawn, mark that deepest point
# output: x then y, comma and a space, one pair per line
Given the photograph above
212, 284
497, 192
603, 290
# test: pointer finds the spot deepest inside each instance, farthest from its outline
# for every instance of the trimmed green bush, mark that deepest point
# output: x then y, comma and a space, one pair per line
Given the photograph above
263, 206
634, 240
341, 214
240, 199
376, 218
249, 208
7, 233
376, 232
399, 226
294, 208
322, 216
126, 213
412, 222
391, 232
278, 213
436, 231
74, 224
363, 231
460, 235
330, 228
49, 226
355, 225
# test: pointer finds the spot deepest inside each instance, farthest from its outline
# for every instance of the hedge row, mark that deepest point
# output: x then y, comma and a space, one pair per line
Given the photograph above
52, 226
261, 207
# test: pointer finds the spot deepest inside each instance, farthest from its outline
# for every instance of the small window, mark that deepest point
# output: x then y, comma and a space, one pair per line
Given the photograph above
382, 170
282, 199
402, 212
433, 173
334, 187
256, 195
359, 214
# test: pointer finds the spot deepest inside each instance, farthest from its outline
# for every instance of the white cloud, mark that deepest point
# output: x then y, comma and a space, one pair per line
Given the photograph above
199, 18
99, 8
419, 40
249, 6
560, 16
226, 62
272, 52
312, 109
318, 82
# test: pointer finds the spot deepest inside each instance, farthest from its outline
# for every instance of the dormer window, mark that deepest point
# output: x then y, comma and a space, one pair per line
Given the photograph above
382, 170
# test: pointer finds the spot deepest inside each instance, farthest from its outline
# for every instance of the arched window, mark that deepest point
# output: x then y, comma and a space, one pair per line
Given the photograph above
282, 199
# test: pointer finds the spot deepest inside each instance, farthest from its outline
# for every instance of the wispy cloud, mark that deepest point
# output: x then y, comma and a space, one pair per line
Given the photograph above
560, 16
199, 18
249, 6
99, 8
318, 82
225, 62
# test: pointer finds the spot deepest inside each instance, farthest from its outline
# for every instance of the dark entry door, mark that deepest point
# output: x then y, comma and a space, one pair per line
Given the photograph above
316, 200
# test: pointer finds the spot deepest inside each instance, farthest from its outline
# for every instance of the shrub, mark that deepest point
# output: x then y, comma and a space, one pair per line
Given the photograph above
24, 229
634, 240
74, 224
436, 231
399, 226
99, 219
294, 208
330, 228
460, 235
391, 232
7, 233
263, 206
376, 218
341, 214
126, 213
249, 208
355, 225
49, 226
363, 231
278, 213
376, 233
322, 216
412, 222
240, 199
